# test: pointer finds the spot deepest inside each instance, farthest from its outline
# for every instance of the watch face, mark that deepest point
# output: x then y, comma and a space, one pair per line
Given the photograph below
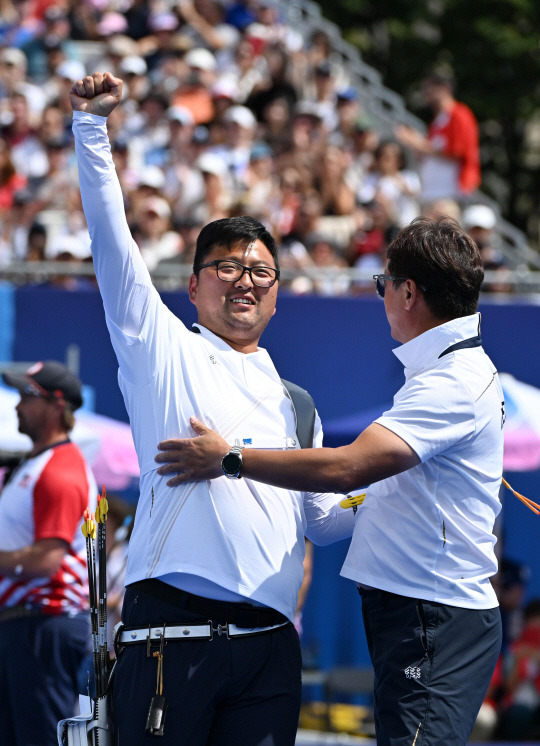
232, 463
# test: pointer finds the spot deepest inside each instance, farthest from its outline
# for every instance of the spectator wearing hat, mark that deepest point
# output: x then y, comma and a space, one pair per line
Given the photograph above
480, 222
13, 80
153, 232
184, 184
44, 626
219, 194
195, 90
240, 132
261, 183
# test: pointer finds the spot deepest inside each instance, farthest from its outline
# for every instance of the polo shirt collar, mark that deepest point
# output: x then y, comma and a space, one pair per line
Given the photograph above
425, 349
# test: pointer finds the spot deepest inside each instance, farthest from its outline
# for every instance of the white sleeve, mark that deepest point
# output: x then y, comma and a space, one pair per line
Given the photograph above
326, 521
123, 278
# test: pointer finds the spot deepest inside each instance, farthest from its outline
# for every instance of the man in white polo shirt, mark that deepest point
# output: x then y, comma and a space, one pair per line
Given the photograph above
422, 551
214, 568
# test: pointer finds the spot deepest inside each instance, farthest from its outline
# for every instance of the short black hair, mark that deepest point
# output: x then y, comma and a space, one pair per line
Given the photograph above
231, 232
442, 258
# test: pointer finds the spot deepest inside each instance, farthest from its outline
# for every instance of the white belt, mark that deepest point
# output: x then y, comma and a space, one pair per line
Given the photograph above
188, 632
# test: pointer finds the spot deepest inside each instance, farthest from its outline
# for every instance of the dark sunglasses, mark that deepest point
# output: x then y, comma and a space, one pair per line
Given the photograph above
381, 280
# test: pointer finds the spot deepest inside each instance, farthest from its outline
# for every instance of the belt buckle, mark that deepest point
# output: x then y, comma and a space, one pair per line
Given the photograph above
221, 629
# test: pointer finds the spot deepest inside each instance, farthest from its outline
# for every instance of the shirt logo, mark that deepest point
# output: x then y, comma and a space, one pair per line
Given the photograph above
412, 672
503, 415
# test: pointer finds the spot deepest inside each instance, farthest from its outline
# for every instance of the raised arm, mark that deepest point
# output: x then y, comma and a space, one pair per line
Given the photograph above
377, 453
122, 275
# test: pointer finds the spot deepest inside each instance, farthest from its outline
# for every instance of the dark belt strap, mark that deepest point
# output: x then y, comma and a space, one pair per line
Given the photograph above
464, 344
243, 615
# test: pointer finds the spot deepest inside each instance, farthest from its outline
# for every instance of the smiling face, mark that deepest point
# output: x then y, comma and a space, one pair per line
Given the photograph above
239, 311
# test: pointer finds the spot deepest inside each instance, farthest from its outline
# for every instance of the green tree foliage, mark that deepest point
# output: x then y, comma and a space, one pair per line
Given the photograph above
493, 47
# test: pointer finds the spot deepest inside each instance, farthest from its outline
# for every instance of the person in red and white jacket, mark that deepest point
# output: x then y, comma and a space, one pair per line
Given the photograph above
44, 621
450, 152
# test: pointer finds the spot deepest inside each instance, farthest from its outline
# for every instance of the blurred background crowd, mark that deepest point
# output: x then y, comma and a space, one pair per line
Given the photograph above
228, 110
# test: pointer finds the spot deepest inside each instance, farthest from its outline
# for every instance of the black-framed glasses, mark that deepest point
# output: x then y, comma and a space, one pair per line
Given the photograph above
381, 280
230, 271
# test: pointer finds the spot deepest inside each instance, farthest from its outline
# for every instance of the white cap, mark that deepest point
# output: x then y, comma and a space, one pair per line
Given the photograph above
158, 205
14, 56
70, 245
211, 163
152, 176
133, 63
240, 115
201, 58
225, 87
180, 114
71, 70
479, 216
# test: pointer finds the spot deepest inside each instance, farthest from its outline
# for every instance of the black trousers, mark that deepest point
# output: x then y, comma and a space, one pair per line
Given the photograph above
433, 664
219, 692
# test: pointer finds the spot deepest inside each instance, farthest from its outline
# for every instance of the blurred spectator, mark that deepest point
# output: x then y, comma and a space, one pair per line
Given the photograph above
240, 130
10, 180
205, 24
511, 584
450, 153
368, 244
479, 221
160, 44
442, 207
275, 84
51, 46
219, 194
195, 90
337, 195
389, 181
153, 232
261, 183
13, 80
325, 255
520, 713
27, 152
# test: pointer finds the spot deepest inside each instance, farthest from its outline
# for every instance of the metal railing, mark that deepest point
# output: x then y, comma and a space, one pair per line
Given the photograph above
511, 283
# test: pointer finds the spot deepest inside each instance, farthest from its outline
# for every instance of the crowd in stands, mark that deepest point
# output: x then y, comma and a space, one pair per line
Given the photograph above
227, 110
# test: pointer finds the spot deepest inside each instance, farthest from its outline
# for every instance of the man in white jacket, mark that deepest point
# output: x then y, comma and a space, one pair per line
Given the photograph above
208, 653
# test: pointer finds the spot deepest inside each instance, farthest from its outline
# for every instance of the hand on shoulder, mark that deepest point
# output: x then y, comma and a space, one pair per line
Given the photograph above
99, 94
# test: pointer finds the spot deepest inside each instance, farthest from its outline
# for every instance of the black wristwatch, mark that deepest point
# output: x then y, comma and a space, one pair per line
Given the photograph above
231, 464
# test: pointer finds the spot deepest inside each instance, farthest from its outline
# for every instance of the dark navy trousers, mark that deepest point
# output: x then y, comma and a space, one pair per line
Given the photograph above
433, 664
219, 692
40, 658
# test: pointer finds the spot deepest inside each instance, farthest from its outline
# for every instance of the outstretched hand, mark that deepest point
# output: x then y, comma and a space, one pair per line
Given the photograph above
99, 94
192, 459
